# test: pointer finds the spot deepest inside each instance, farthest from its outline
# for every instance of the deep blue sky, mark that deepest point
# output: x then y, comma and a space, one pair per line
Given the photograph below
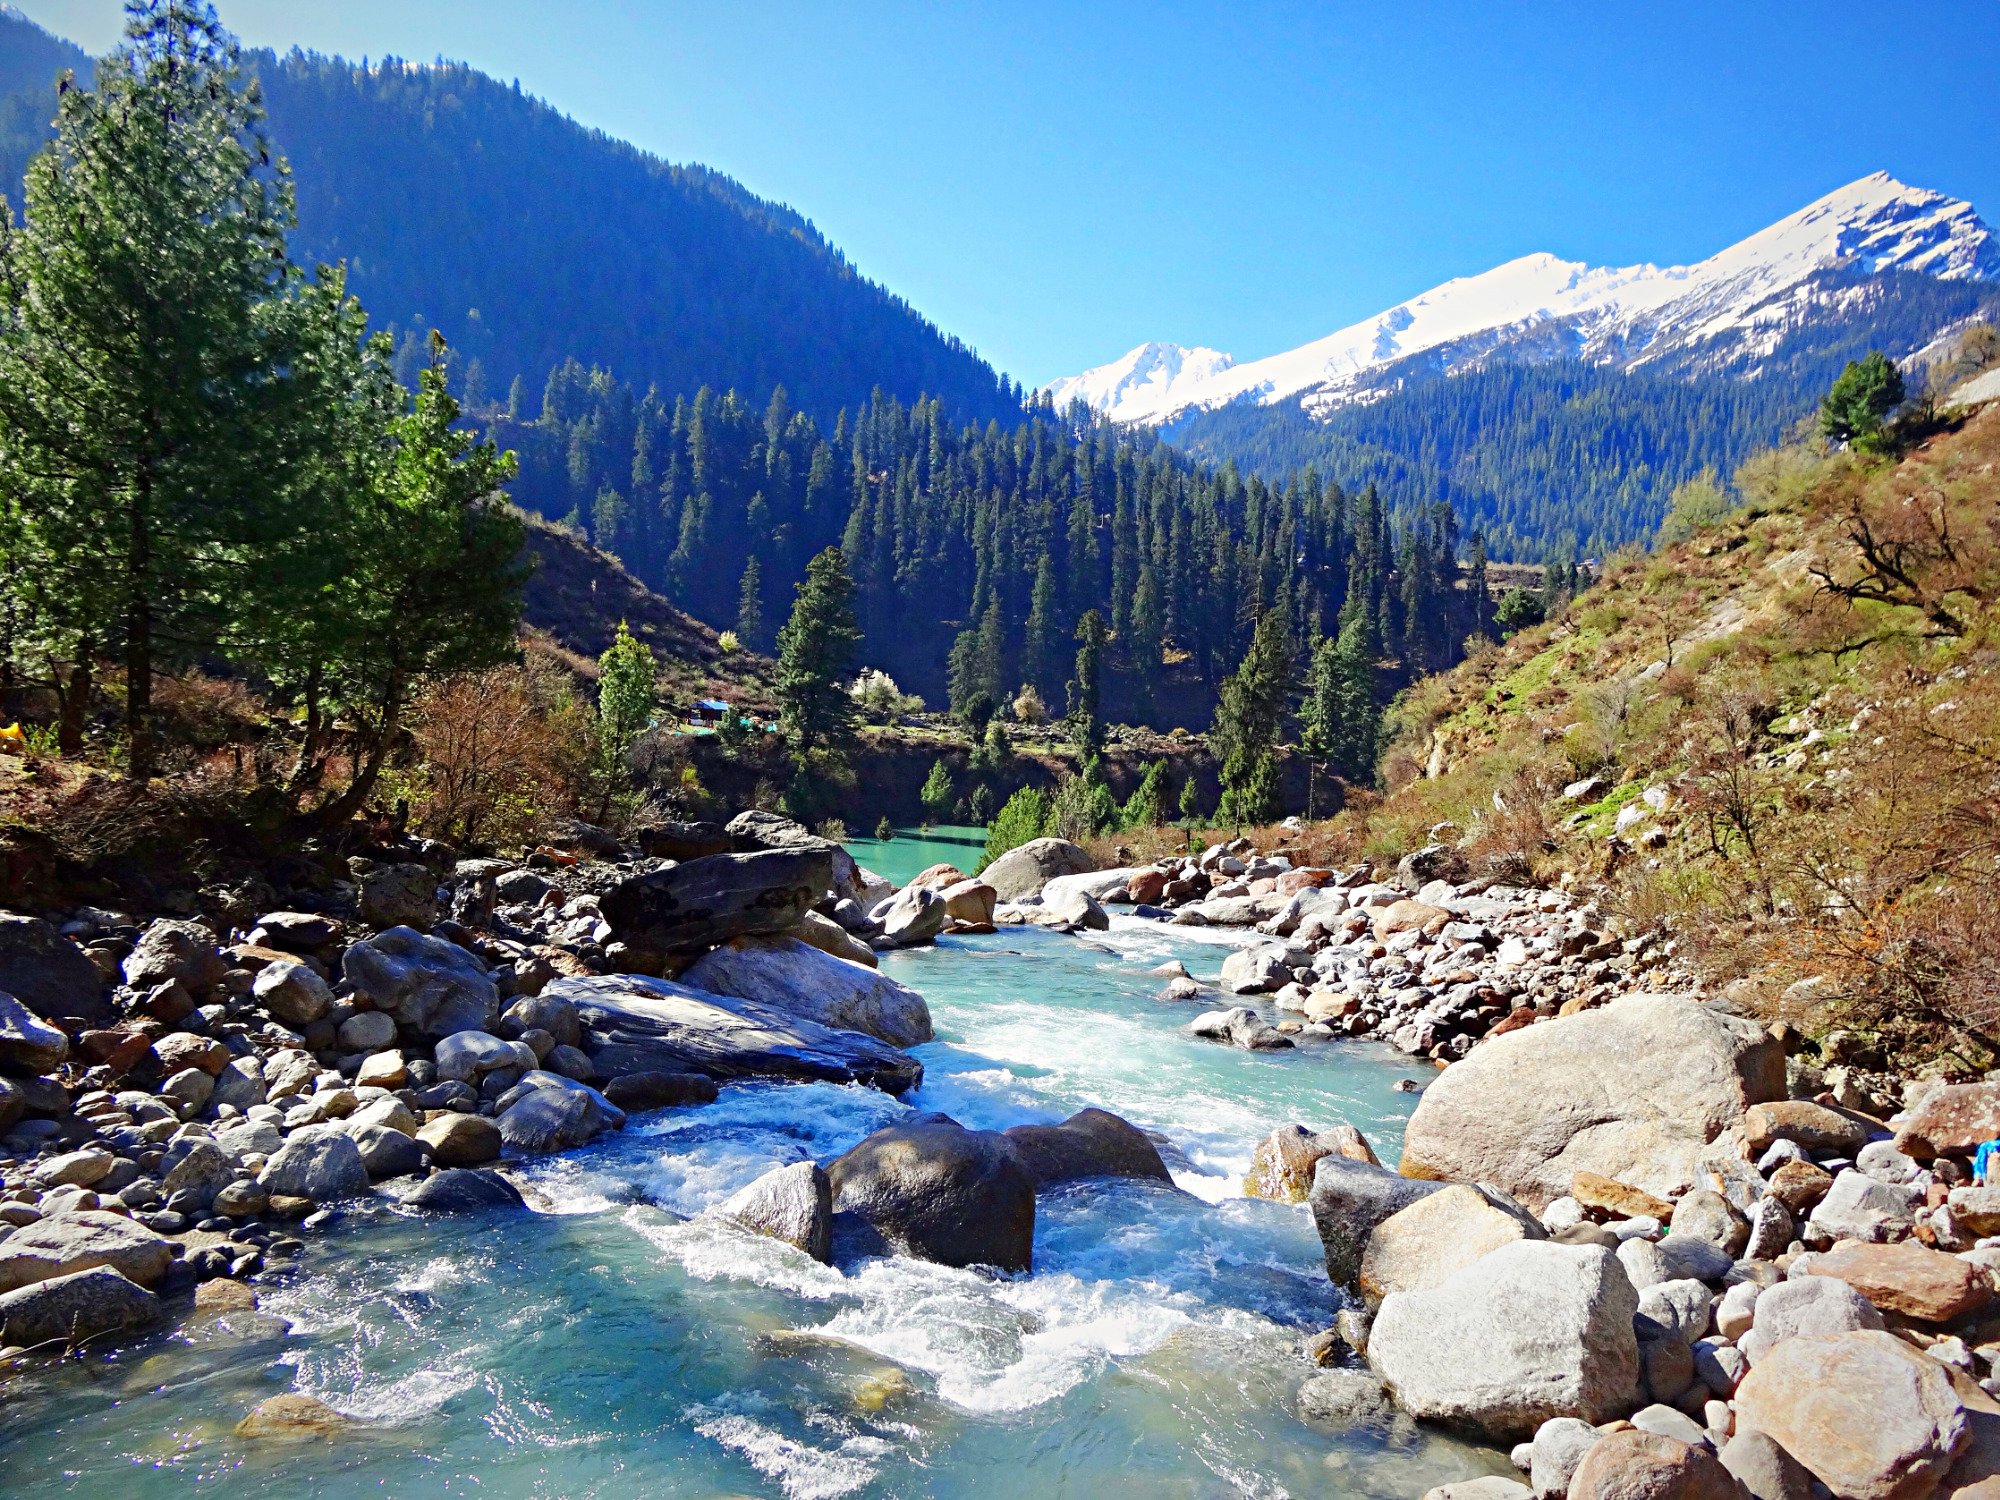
1058, 182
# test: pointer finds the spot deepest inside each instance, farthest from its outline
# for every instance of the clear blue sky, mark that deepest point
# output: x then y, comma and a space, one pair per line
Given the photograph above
1056, 183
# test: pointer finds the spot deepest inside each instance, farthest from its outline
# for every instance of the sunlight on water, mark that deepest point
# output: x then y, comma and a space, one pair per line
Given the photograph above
615, 1344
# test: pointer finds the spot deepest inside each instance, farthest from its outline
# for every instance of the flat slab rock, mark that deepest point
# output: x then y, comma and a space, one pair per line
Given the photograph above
1909, 1279
638, 1024
806, 981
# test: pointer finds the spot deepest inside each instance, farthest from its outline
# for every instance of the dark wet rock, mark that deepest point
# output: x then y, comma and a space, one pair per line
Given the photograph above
1090, 1143
67, 1310
695, 906
683, 840
457, 1190
429, 985
398, 895
320, 1163
635, 1093
49, 974
386, 1152
173, 952
932, 1189
547, 1112
793, 1204
641, 1025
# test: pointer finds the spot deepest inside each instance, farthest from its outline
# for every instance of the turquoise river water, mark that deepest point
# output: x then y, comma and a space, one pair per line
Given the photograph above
613, 1343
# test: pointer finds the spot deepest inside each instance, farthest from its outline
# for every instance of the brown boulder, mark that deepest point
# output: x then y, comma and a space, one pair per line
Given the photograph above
1304, 879
461, 1140
1621, 1200
1871, 1417
1953, 1119
1420, 1247
1822, 1131
1403, 916
183, 1049
1281, 1168
1799, 1185
1927, 1285
969, 901
292, 1418
1146, 886
938, 876
1634, 1465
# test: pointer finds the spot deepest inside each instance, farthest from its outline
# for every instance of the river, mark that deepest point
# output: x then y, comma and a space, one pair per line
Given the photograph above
611, 1344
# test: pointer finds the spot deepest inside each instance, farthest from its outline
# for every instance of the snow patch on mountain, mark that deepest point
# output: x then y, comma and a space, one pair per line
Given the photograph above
1732, 307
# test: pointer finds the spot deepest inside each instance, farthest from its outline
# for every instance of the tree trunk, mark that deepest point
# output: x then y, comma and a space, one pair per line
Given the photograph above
306, 771
73, 706
139, 628
337, 812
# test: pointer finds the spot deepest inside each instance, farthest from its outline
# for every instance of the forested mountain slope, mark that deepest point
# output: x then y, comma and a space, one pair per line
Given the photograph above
462, 203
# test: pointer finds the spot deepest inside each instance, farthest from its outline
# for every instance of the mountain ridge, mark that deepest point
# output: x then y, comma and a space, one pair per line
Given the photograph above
1719, 315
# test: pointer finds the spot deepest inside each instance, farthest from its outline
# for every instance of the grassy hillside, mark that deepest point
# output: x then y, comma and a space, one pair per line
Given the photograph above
1780, 739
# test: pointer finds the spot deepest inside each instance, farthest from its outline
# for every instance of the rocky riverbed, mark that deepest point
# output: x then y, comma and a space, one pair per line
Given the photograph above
1635, 1236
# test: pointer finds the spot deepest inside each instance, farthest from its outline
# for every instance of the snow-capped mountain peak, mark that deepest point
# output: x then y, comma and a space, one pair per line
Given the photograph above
1540, 305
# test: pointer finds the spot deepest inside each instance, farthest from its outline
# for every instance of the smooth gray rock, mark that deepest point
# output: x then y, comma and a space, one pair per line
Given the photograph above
636, 1093
368, 1031
1255, 971
175, 952
399, 895
1090, 1143
793, 1204
932, 1189
1692, 1259
430, 986
1348, 1199
547, 1112
1719, 1366
1240, 1026
468, 1055
294, 931
292, 993
1858, 1207
28, 1044
1681, 1306
317, 1162
197, 1166
458, 1190
544, 1012
1706, 1215
641, 1025
48, 973
1764, 1469
240, 1083
1638, 1090
67, 1310
802, 980
1024, 870
78, 1241
1076, 909
1559, 1446
386, 1152
1531, 1331
1810, 1305
1666, 1364
694, 906
914, 917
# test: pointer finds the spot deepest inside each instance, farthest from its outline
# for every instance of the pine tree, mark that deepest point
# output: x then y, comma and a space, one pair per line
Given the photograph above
937, 794
1861, 399
160, 381
1352, 719
1085, 722
627, 692
816, 656
750, 604
1245, 734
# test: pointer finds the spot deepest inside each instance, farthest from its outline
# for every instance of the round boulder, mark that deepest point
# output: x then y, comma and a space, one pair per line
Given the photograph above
1090, 1143
931, 1189
1649, 1466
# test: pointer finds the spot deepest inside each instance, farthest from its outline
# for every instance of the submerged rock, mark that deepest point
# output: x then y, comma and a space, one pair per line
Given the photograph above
458, 1190
292, 1418
932, 1189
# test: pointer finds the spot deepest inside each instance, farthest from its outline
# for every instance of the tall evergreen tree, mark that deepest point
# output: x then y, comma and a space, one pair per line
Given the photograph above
750, 604
1247, 719
816, 652
1085, 719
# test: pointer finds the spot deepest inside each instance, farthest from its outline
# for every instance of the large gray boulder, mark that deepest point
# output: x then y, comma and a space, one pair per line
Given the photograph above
461, 1190
547, 1112
48, 973
754, 830
1811, 1305
793, 1204
398, 895
1531, 1331
1256, 971
320, 1162
66, 1310
28, 1044
931, 1189
430, 986
1025, 869
1348, 1199
171, 952
803, 980
913, 917
634, 1024
1090, 1143
691, 907
1637, 1091
78, 1241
